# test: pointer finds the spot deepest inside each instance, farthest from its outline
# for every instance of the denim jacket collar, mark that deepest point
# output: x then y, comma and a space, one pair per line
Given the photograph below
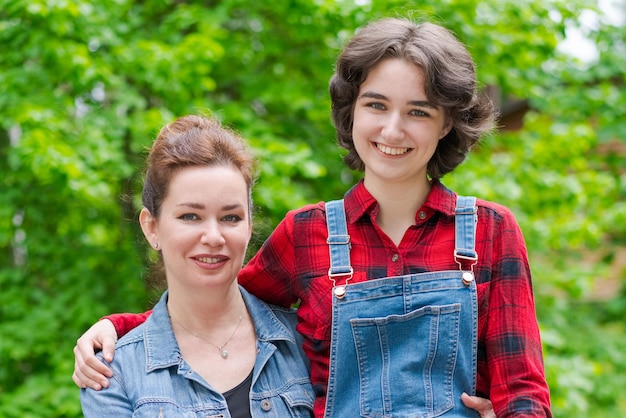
162, 349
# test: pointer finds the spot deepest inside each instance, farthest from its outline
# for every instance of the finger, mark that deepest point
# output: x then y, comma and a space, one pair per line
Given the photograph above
481, 405
82, 382
108, 348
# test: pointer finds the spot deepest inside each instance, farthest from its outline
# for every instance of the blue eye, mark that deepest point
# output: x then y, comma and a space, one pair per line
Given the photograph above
377, 106
418, 112
188, 217
232, 218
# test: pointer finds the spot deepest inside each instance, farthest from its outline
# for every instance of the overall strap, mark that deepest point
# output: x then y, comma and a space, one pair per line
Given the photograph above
339, 244
466, 219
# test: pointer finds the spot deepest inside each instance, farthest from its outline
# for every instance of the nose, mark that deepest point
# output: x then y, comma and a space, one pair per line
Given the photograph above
212, 235
393, 128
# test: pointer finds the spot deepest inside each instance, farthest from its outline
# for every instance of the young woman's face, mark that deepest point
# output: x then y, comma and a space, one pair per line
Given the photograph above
396, 129
204, 227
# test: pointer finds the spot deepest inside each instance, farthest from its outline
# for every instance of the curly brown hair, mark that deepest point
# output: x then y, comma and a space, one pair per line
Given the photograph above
449, 78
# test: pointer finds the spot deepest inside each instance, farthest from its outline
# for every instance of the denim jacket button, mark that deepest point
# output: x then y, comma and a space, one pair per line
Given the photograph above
266, 405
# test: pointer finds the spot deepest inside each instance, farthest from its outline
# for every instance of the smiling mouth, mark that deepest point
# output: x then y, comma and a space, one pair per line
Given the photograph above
392, 151
209, 260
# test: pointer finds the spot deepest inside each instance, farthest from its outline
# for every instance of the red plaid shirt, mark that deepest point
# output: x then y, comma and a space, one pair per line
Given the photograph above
293, 266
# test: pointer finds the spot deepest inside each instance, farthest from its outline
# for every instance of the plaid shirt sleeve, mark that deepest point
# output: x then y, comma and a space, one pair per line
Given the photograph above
510, 360
125, 322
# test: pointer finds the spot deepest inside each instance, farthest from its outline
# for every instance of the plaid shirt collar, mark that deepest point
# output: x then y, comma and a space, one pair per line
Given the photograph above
359, 202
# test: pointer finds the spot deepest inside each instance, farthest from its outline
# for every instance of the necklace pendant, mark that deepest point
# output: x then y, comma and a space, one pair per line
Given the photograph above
224, 354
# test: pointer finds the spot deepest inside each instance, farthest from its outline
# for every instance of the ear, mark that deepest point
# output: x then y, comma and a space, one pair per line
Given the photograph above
149, 227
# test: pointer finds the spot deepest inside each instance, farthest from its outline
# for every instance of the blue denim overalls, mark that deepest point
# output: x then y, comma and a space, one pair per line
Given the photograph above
403, 346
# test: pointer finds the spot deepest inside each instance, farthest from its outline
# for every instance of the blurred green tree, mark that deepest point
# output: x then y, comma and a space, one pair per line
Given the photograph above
85, 86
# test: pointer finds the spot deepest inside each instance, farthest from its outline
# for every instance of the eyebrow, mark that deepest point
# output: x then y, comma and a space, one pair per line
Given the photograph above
378, 96
232, 207
192, 205
201, 206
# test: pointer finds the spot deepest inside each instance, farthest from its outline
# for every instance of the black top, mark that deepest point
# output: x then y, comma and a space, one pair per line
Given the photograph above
238, 399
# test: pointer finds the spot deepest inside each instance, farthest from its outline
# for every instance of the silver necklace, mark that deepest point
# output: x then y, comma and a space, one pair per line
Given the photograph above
221, 348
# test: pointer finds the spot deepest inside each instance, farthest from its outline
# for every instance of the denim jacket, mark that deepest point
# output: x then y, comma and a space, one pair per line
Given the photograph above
151, 379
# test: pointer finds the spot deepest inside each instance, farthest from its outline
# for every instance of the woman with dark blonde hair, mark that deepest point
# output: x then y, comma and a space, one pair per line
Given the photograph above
209, 348
411, 297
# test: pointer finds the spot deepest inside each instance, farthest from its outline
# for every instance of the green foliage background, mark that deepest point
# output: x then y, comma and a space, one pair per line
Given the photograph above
85, 86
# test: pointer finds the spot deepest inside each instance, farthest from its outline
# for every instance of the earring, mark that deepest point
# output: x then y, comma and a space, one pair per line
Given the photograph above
156, 245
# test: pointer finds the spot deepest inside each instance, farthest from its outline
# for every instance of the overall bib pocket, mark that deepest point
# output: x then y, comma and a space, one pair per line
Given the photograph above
389, 359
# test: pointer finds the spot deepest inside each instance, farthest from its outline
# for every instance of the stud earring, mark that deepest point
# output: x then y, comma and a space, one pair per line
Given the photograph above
156, 245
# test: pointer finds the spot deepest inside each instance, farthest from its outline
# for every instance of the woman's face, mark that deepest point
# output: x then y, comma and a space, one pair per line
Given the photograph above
204, 226
396, 129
